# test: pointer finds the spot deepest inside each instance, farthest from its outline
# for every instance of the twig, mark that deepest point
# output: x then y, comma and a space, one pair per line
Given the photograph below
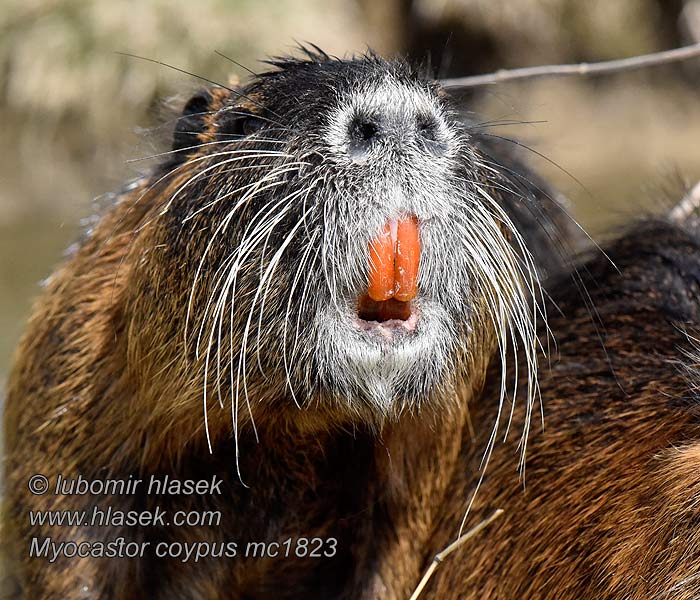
687, 206
440, 556
583, 69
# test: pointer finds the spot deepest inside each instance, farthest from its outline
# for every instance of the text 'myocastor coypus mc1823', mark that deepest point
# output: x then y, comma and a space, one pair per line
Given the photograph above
251, 378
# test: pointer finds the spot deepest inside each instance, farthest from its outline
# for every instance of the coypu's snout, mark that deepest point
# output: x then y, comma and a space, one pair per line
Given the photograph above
393, 272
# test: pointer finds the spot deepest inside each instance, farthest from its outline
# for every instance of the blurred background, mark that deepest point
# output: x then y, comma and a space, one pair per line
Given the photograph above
75, 113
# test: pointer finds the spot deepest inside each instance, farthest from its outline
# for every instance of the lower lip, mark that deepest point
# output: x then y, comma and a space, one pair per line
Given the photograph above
389, 329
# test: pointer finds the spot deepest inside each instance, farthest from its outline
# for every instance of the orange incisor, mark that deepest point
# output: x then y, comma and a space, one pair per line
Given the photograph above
394, 258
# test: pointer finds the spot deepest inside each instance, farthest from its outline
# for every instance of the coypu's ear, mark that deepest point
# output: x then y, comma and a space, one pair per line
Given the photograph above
192, 122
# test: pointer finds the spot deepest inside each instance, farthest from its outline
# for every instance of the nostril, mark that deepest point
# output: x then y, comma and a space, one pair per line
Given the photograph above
429, 134
427, 127
363, 130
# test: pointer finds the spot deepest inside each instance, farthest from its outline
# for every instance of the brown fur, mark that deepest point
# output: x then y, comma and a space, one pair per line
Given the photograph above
104, 386
610, 503
609, 508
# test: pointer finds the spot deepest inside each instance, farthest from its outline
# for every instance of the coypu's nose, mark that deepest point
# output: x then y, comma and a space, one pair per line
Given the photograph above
365, 130
393, 271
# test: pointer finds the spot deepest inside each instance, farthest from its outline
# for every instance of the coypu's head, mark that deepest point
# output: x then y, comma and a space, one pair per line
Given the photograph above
330, 236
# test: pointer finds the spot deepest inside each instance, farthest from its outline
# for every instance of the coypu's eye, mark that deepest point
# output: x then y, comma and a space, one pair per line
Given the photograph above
251, 125
238, 124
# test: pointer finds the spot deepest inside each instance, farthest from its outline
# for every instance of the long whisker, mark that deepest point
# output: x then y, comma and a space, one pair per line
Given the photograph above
286, 241
197, 146
237, 93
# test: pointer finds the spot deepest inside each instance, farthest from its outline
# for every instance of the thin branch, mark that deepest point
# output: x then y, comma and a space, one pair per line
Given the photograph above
687, 206
440, 556
582, 69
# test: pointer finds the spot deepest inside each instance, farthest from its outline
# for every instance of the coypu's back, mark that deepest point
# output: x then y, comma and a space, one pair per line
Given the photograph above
611, 502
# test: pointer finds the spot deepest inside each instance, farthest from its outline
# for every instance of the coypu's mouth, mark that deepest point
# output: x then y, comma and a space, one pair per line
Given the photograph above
381, 312
387, 318
393, 277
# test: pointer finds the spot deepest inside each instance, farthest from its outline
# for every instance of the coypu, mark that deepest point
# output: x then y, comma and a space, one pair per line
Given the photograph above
283, 324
